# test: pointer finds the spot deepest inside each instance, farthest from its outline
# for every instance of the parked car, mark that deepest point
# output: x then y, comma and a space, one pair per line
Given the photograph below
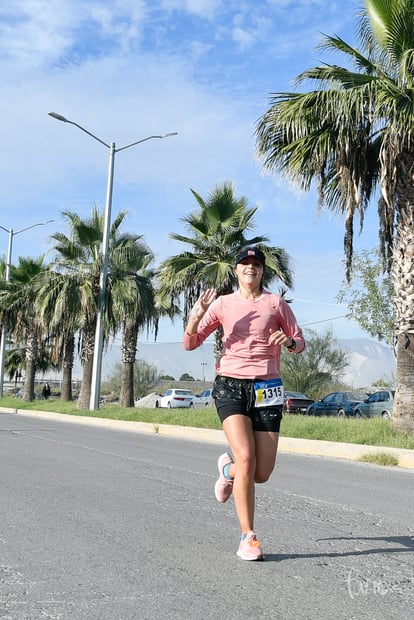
378, 404
176, 397
296, 402
204, 399
340, 404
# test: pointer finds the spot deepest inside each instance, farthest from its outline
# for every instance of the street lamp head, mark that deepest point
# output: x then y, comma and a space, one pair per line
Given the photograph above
58, 117
13, 233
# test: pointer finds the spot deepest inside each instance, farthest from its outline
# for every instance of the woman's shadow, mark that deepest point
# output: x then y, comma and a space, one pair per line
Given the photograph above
394, 544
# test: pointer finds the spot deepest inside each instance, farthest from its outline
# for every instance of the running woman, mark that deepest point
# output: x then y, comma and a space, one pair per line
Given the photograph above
248, 391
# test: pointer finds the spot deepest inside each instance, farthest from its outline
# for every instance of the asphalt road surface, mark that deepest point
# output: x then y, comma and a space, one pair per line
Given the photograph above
103, 524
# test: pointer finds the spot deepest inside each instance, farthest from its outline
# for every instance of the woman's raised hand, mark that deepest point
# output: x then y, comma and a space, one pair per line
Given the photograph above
203, 302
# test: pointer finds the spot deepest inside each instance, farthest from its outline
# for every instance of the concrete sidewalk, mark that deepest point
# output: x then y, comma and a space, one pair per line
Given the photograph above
286, 444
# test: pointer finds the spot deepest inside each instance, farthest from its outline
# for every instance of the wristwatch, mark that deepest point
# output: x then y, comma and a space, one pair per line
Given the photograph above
292, 345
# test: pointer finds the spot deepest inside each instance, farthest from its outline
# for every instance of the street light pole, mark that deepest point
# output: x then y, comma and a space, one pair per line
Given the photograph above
203, 364
11, 234
99, 331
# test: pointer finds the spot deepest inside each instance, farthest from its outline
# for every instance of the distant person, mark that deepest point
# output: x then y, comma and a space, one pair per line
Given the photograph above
46, 391
248, 391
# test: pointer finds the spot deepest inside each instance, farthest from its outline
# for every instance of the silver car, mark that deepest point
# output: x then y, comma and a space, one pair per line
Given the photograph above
379, 404
204, 399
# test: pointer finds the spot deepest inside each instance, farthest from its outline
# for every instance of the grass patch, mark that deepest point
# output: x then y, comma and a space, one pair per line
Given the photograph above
374, 431
380, 458
203, 417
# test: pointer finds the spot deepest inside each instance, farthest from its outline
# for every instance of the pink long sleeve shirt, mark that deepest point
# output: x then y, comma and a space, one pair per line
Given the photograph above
247, 325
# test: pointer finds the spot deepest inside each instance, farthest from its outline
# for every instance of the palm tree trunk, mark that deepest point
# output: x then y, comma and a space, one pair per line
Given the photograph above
31, 355
85, 392
67, 366
403, 277
403, 410
129, 351
218, 336
87, 360
28, 390
218, 345
126, 396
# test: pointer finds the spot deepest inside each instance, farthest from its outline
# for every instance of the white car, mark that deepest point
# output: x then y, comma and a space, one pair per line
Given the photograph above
204, 399
176, 397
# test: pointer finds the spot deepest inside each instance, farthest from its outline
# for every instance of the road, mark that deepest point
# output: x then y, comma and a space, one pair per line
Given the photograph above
98, 523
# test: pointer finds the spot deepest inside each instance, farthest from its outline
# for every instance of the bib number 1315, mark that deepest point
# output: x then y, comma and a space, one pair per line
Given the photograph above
269, 392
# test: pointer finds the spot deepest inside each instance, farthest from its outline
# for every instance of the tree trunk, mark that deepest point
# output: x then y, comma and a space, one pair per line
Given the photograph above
67, 366
31, 355
218, 345
403, 410
28, 390
129, 351
126, 396
403, 276
218, 336
85, 392
87, 360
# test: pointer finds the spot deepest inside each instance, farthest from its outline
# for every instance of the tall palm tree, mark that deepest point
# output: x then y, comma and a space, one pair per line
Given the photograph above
79, 258
354, 133
18, 303
60, 312
217, 232
133, 300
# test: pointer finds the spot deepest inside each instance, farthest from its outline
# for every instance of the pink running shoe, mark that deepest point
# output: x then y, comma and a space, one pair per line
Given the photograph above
223, 487
249, 548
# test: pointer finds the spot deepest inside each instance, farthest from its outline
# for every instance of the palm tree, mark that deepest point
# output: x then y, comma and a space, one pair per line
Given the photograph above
355, 134
133, 300
18, 303
14, 362
79, 259
59, 307
216, 234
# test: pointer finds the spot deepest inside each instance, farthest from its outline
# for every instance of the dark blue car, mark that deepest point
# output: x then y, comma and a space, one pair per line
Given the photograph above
340, 404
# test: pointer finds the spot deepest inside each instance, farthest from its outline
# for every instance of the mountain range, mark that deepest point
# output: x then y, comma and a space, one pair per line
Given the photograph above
369, 361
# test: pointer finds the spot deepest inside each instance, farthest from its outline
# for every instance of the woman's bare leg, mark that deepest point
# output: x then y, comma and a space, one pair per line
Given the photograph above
240, 436
254, 454
266, 443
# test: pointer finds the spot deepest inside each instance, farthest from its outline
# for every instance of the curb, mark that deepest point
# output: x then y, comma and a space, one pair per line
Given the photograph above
311, 447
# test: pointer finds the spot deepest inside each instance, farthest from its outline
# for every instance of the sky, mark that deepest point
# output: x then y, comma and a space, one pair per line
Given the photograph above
125, 70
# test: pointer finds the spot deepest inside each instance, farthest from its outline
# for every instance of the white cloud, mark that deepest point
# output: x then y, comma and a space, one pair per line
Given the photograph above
31, 34
201, 8
244, 38
41, 33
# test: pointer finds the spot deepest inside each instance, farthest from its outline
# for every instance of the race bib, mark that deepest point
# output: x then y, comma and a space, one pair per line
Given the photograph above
269, 392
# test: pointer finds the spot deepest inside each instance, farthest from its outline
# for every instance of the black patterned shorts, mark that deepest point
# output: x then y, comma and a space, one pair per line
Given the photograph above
237, 396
